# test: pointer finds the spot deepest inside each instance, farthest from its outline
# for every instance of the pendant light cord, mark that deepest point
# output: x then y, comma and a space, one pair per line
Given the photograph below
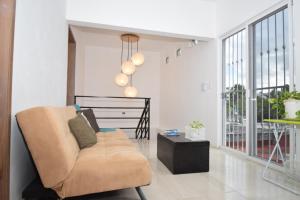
130, 56
122, 53
128, 50
131, 49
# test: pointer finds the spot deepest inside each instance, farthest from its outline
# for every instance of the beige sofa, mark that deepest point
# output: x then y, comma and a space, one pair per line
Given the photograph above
113, 163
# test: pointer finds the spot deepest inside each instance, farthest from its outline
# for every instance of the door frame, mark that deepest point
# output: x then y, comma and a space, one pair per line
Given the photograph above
7, 22
71, 68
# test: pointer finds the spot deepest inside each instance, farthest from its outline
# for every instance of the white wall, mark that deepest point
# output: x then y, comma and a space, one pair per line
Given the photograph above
232, 13
189, 18
39, 75
182, 97
97, 65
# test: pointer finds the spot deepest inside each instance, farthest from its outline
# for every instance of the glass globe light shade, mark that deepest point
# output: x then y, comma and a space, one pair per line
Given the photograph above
121, 79
138, 59
128, 67
130, 91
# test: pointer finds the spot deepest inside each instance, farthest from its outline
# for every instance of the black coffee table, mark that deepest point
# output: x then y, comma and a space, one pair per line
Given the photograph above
181, 155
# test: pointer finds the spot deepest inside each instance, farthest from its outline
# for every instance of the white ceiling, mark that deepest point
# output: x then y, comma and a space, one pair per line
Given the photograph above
111, 39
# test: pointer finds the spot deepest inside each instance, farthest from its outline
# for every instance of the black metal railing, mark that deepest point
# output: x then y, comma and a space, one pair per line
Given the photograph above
142, 130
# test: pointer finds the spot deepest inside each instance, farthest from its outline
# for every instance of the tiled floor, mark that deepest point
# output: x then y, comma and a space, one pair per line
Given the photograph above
230, 178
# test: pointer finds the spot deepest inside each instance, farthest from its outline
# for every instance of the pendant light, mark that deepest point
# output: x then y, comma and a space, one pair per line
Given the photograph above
128, 66
137, 58
121, 79
130, 91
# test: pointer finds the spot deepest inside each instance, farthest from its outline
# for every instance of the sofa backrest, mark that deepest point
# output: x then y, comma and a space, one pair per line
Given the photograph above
52, 146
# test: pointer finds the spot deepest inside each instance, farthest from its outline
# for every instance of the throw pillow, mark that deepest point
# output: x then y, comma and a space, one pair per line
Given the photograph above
90, 116
84, 134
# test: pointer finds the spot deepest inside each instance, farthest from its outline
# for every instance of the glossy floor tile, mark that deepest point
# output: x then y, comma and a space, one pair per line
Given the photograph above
231, 177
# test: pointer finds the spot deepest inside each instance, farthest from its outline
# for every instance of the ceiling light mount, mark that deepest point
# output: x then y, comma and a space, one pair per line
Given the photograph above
130, 38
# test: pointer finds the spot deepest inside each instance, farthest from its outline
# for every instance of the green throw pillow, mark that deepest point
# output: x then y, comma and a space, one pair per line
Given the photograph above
84, 133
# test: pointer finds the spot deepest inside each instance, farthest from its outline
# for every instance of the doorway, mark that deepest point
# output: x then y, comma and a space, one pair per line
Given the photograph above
271, 77
7, 14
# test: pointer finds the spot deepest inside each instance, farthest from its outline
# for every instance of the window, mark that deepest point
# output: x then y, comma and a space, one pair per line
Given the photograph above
271, 77
234, 92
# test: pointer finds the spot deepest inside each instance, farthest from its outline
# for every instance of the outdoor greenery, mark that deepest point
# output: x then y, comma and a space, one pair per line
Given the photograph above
269, 103
298, 114
278, 103
236, 103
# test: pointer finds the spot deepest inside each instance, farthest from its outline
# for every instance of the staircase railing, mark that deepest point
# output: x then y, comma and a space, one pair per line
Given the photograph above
142, 130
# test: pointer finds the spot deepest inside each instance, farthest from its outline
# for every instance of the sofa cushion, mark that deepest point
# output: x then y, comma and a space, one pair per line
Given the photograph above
89, 114
113, 163
53, 147
83, 132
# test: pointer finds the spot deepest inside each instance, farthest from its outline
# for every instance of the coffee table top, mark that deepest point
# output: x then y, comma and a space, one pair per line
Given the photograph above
180, 138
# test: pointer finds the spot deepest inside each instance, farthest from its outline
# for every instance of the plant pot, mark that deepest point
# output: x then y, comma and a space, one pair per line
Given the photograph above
193, 133
291, 107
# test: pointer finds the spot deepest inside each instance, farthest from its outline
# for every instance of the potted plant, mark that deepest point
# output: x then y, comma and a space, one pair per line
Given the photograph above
287, 104
195, 130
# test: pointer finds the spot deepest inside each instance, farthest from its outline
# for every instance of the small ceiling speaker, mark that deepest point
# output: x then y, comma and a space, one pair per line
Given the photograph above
167, 60
195, 42
121, 79
130, 91
178, 52
128, 67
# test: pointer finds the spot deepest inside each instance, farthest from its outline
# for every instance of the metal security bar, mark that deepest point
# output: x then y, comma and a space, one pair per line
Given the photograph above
234, 92
142, 128
271, 75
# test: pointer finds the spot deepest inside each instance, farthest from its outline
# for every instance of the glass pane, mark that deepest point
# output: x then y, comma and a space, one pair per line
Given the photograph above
265, 56
258, 54
286, 50
227, 65
280, 57
272, 45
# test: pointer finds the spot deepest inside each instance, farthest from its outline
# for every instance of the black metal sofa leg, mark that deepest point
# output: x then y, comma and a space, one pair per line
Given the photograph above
141, 194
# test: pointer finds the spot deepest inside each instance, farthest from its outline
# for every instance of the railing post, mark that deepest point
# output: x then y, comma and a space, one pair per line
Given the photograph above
75, 99
148, 120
